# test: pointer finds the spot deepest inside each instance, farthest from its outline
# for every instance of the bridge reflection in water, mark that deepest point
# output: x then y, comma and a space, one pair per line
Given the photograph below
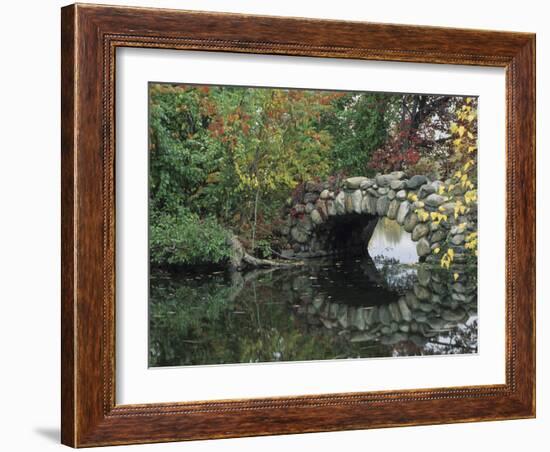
377, 304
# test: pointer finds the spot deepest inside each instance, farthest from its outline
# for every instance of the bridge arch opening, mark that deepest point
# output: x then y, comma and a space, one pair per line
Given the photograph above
345, 235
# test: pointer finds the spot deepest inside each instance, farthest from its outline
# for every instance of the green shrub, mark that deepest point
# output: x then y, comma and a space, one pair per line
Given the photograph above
186, 239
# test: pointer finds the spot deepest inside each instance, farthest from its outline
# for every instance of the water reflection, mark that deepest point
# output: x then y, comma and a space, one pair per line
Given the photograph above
387, 305
390, 240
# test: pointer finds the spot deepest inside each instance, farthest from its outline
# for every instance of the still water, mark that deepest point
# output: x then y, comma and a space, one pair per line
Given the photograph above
384, 304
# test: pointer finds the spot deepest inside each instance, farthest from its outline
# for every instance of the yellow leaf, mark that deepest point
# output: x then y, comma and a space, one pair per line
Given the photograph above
470, 135
436, 251
461, 131
455, 276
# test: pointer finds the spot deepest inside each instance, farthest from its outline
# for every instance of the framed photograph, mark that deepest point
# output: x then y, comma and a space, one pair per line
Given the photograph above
280, 225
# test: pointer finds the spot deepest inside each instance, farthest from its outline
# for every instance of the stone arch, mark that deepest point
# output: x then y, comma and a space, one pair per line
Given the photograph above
361, 201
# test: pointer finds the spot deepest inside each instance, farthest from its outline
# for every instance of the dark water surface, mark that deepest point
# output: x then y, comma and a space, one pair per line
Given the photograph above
355, 307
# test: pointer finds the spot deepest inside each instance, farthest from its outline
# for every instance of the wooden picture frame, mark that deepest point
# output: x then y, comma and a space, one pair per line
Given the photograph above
90, 36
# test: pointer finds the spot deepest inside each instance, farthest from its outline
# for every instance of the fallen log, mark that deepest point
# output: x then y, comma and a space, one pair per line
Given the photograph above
240, 258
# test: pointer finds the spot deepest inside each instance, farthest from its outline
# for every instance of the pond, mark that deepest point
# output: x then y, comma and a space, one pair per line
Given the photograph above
381, 304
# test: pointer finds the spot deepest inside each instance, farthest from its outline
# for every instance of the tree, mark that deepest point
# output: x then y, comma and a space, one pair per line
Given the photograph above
419, 139
272, 139
358, 126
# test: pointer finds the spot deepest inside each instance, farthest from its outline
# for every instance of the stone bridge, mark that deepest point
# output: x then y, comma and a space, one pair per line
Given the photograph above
340, 217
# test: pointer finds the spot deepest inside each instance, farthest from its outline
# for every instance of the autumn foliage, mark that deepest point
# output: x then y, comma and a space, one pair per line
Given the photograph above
231, 157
